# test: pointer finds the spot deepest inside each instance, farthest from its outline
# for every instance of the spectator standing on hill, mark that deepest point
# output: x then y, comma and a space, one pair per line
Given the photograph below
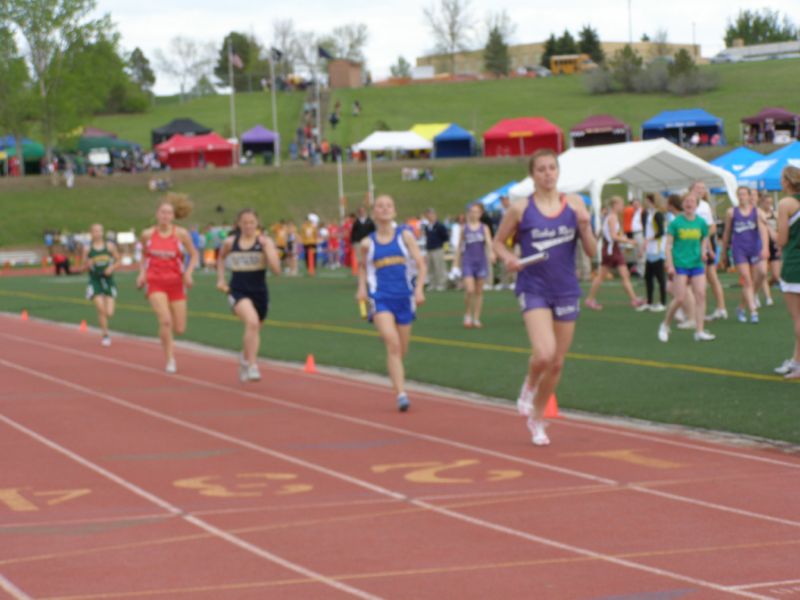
789, 241
436, 236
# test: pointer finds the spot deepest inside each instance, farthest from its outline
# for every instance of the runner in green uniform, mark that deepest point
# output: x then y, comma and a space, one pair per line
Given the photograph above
687, 252
101, 258
789, 241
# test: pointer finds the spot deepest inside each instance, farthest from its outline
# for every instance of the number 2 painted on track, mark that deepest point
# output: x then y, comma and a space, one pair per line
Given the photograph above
18, 500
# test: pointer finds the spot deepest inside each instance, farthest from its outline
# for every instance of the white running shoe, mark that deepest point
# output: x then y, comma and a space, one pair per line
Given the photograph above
106, 341
171, 367
758, 302
657, 308
769, 301
538, 434
663, 332
525, 399
787, 366
643, 307
680, 315
253, 374
704, 336
687, 325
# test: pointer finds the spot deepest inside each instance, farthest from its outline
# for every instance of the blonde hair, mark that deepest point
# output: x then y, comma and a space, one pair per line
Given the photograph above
792, 176
180, 203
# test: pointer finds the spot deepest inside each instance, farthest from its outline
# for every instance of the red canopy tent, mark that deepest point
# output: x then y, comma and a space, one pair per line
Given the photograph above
762, 127
522, 136
599, 129
181, 152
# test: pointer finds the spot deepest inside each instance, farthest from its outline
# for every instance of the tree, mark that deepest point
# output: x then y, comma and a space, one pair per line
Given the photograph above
566, 44
18, 100
283, 40
348, 41
626, 66
187, 61
401, 69
140, 72
203, 87
50, 29
451, 23
589, 43
660, 41
249, 51
754, 27
495, 55
549, 50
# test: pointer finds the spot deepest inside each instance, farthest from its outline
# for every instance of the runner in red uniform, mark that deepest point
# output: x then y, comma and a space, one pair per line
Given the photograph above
162, 274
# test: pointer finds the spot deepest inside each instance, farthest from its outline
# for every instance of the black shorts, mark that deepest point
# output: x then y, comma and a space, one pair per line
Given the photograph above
260, 301
773, 252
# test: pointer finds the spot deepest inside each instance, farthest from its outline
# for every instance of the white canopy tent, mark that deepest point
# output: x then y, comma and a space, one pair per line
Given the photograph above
650, 166
389, 141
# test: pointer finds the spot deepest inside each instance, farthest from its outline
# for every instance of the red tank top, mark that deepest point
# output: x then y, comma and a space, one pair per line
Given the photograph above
164, 256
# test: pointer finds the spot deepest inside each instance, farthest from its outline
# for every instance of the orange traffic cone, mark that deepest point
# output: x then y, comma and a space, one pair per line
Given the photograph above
83, 327
551, 410
312, 267
24, 315
310, 367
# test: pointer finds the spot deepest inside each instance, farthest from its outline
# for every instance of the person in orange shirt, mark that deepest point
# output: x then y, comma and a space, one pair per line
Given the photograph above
280, 233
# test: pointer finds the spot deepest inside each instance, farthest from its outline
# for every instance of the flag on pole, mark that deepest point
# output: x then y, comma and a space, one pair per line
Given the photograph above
236, 61
276, 54
322, 53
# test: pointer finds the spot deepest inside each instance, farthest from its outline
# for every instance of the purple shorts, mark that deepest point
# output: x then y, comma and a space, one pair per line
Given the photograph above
564, 308
474, 268
742, 255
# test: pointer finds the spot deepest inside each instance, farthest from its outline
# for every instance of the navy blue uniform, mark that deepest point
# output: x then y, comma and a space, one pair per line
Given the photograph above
249, 276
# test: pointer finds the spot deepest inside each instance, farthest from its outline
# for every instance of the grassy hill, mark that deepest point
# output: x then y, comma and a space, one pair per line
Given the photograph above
745, 88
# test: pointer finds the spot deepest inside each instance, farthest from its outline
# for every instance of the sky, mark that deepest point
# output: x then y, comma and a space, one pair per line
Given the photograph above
398, 27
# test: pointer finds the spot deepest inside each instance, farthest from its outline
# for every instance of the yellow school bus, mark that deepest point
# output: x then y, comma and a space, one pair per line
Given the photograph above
567, 64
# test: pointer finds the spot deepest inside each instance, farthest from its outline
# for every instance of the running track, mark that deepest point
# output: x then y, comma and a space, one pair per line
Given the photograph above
119, 481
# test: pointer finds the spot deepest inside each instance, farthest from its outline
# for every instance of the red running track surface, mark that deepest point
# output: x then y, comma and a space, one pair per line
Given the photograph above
120, 481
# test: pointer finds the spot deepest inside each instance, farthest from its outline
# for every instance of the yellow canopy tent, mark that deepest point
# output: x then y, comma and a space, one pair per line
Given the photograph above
429, 130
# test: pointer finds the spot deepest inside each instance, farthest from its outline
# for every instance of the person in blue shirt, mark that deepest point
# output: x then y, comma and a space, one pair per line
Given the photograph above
391, 287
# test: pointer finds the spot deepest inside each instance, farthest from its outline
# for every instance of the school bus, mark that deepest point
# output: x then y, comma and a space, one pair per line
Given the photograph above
567, 64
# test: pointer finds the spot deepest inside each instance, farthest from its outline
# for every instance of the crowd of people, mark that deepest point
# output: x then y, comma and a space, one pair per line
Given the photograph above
537, 243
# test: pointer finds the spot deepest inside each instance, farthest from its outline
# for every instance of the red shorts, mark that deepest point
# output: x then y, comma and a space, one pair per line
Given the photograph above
613, 260
174, 289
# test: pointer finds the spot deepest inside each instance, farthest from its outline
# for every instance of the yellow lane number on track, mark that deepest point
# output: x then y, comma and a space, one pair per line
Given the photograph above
246, 485
434, 472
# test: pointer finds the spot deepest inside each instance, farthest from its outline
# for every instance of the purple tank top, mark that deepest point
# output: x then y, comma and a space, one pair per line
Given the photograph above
474, 244
744, 232
557, 235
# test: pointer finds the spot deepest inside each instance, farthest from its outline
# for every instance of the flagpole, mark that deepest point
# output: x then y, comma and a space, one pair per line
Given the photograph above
319, 107
233, 101
277, 148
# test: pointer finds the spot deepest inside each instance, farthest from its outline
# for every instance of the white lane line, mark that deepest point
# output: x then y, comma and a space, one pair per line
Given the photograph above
381, 490
431, 438
12, 590
750, 586
174, 510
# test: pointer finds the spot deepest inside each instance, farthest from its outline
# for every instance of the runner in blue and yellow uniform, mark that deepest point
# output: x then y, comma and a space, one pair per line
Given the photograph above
101, 258
248, 254
386, 280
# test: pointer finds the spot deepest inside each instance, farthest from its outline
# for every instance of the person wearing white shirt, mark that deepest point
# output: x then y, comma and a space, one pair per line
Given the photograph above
699, 191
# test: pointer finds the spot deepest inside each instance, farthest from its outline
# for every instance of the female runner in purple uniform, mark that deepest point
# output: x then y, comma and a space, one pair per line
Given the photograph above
474, 254
548, 223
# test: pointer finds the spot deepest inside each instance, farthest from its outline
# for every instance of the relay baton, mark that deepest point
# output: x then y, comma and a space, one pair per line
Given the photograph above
362, 308
533, 259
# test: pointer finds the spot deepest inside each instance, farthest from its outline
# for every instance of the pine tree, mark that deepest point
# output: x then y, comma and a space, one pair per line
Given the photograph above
589, 43
549, 50
495, 55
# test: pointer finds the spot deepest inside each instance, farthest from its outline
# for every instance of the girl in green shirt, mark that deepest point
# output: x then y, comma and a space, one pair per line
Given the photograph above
789, 241
686, 254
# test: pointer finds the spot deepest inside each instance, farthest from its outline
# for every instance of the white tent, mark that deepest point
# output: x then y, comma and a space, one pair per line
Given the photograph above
650, 166
389, 141
393, 141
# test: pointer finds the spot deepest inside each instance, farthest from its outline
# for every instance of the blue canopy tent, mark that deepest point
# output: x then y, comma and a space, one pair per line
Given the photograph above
765, 174
453, 142
735, 162
678, 126
491, 201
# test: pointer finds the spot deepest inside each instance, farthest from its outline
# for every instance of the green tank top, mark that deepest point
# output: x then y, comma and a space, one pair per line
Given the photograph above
99, 261
790, 270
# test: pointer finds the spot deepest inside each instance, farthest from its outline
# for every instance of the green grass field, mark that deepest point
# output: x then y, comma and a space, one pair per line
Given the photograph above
616, 365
